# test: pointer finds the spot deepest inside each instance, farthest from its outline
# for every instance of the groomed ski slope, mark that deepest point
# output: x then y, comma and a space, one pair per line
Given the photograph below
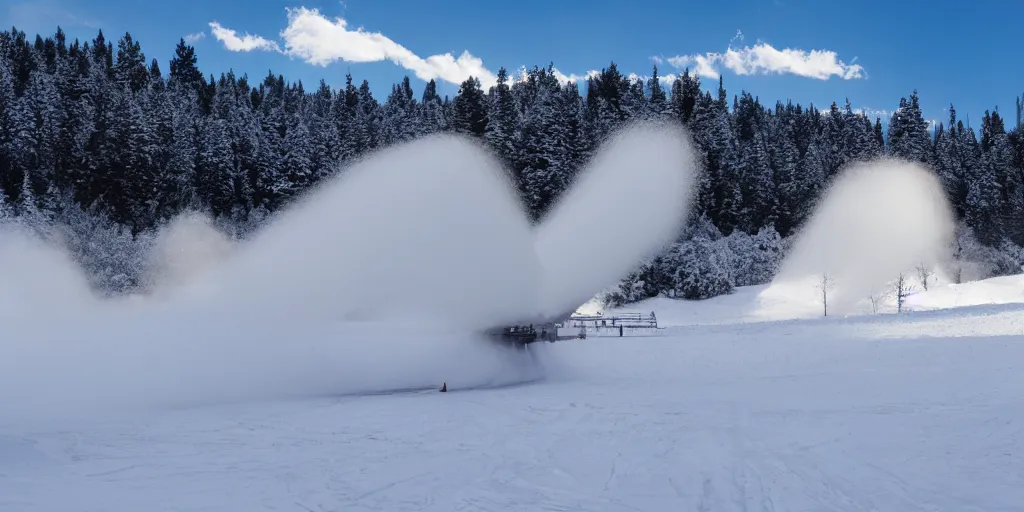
917, 412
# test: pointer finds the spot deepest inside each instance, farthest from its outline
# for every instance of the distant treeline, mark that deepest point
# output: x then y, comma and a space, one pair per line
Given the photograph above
93, 128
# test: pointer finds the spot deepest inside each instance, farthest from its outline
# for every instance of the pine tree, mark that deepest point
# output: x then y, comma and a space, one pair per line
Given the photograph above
343, 113
470, 109
605, 110
719, 193
543, 174
432, 111
325, 146
949, 146
214, 176
758, 186
997, 156
176, 180
659, 105
790, 187
503, 125
576, 144
858, 145
295, 160
130, 70
908, 132
832, 143
685, 92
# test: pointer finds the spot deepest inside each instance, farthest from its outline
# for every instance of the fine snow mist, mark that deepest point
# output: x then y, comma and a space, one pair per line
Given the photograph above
378, 279
428, 229
40, 286
184, 251
631, 202
877, 220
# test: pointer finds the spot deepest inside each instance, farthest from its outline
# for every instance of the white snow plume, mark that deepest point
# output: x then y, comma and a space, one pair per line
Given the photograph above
878, 219
39, 285
630, 202
377, 280
427, 229
185, 249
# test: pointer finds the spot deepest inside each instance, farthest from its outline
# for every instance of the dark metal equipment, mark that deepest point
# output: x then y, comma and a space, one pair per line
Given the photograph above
521, 335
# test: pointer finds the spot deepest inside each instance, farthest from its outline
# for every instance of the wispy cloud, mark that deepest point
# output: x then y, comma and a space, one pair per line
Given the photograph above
764, 59
246, 43
318, 40
196, 37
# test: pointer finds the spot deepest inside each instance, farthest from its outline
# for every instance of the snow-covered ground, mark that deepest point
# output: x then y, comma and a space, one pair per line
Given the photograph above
802, 300
724, 411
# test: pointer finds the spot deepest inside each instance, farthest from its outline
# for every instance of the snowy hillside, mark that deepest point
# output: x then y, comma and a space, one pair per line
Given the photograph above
788, 301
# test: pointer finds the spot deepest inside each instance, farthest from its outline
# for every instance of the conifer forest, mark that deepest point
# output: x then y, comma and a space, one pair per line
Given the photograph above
105, 147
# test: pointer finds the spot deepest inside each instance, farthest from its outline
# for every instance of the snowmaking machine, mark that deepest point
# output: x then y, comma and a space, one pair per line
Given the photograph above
520, 334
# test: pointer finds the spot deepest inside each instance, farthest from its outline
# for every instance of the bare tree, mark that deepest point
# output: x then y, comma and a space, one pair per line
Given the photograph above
825, 285
902, 289
924, 272
876, 300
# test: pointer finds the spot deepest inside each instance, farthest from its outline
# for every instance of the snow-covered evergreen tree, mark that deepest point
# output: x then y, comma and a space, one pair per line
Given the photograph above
470, 109
543, 171
908, 132
704, 269
90, 125
503, 127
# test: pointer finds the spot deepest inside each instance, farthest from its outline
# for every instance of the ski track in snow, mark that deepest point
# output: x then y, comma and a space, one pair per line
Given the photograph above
785, 416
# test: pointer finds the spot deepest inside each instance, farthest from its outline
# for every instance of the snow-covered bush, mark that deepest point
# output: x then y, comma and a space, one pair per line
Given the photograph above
705, 265
702, 227
970, 260
649, 280
755, 259
113, 259
705, 269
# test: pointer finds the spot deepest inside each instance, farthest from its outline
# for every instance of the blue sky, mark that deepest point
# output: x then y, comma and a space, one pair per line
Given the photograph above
871, 51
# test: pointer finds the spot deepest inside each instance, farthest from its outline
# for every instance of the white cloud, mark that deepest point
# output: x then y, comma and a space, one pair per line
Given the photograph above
573, 77
703, 65
764, 59
319, 40
246, 43
192, 38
